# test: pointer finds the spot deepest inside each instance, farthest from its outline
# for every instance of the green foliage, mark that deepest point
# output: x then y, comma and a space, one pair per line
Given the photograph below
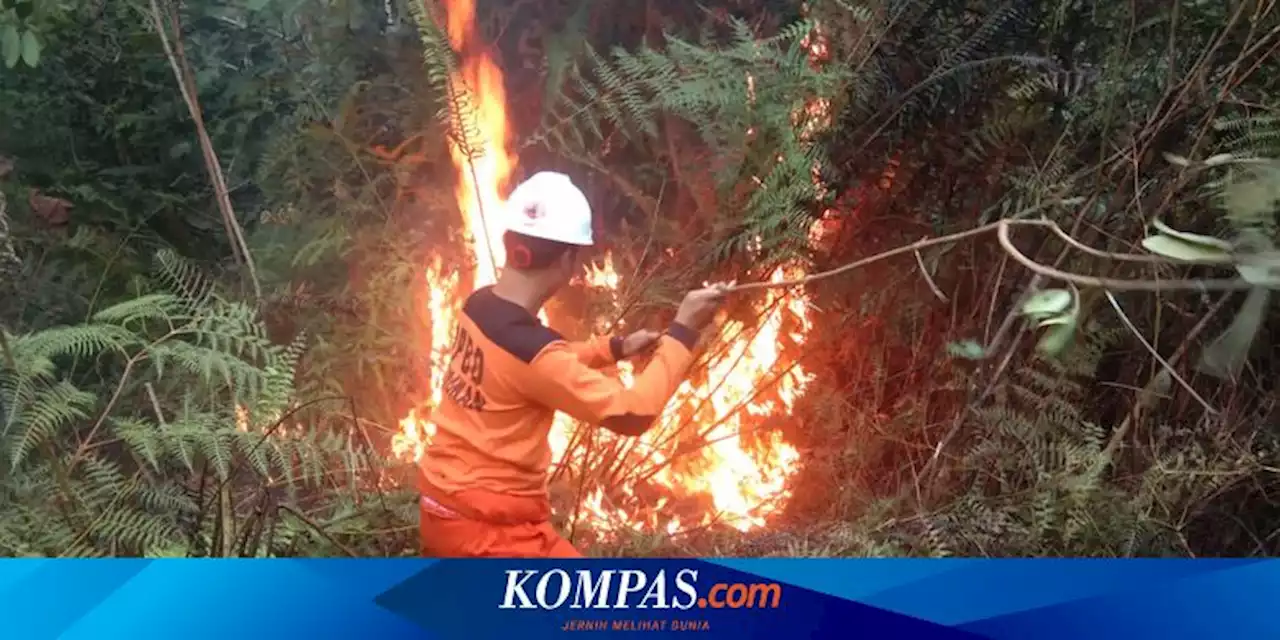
163, 414
9, 262
132, 474
1253, 135
744, 95
1038, 446
21, 22
1057, 309
1030, 481
102, 122
1060, 462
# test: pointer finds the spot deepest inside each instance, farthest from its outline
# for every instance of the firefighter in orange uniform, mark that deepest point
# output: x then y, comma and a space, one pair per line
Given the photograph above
483, 479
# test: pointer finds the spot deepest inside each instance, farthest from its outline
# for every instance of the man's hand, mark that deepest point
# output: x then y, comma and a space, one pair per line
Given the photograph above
700, 305
639, 342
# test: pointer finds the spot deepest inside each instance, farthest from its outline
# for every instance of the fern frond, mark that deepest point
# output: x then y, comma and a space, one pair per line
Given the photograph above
53, 409
155, 306
746, 96
80, 341
185, 279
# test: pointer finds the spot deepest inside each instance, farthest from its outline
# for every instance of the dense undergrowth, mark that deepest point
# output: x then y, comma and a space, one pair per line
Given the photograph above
167, 391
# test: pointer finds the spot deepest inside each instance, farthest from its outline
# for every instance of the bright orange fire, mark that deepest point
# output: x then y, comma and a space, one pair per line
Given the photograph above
715, 440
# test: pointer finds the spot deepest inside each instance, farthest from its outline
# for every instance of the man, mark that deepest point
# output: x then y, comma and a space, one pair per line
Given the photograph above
484, 477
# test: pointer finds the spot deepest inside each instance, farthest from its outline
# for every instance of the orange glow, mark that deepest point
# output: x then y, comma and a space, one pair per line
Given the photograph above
481, 178
715, 441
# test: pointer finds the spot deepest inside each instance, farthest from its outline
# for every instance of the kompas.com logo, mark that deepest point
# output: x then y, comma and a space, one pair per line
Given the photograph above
613, 589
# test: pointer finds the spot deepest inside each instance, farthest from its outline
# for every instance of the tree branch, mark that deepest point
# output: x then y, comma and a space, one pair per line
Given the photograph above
182, 72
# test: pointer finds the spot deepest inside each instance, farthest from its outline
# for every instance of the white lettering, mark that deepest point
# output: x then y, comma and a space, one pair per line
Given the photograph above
515, 589
592, 590
540, 592
587, 590
658, 591
629, 576
686, 587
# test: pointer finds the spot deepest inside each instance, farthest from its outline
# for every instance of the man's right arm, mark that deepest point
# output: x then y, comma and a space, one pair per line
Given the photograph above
560, 380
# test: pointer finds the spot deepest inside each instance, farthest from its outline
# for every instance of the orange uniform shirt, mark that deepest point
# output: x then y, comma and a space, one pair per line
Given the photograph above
508, 374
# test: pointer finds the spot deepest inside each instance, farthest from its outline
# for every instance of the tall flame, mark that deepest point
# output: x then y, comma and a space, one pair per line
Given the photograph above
705, 443
486, 170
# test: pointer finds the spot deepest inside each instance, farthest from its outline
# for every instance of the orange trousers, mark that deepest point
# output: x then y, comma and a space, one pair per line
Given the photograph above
492, 528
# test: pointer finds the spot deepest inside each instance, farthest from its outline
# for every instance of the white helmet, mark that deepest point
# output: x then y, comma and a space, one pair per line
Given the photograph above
549, 206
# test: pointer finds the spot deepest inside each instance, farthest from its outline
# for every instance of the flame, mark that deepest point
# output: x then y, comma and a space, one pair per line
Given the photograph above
486, 170
242, 418
715, 441
481, 175
741, 467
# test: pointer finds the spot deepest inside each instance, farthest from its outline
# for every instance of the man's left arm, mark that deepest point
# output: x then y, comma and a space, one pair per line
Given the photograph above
603, 351
599, 352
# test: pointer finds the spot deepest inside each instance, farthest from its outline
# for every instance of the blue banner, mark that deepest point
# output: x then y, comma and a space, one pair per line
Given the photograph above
740, 599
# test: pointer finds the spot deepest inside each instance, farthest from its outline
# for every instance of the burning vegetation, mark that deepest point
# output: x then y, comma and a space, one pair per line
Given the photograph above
717, 455
187, 375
